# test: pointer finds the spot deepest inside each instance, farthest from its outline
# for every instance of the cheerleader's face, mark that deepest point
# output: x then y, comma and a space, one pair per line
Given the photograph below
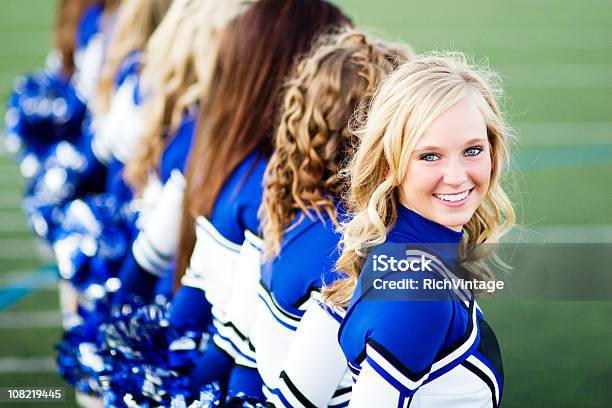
449, 171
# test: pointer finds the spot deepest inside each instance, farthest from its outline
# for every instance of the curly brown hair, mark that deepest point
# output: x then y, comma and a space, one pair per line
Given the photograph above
313, 139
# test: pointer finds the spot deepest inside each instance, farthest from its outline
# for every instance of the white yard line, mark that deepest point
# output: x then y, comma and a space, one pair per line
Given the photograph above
523, 39
9, 174
12, 191
16, 279
562, 234
25, 248
12, 224
10, 277
30, 320
557, 75
10, 204
10, 365
542, 134
17, 248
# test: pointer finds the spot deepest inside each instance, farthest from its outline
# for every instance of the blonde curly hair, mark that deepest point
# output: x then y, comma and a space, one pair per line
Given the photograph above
313, 140
181, 56
404, 106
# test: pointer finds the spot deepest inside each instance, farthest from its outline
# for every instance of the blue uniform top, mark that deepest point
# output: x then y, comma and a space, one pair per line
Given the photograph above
89, 25
135, 279
291, 277
290, 284
130, 65
115, 184
235, 210
410, 341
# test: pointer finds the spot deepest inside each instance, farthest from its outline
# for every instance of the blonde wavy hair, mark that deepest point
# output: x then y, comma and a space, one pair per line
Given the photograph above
404, 106
313, 140
136, 21
181, 57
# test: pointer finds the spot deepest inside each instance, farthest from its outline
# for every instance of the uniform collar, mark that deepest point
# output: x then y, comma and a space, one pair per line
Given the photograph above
412, 227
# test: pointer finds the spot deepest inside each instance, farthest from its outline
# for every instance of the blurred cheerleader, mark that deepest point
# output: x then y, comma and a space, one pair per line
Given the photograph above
71, 169
117, 106
176, 78
43, 107
173, 79
119, 93
424, 183
91, 233
293, 337
94, 34
68, 18
228, 159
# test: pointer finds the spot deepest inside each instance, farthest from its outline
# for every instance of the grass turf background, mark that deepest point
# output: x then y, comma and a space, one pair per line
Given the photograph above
555, 59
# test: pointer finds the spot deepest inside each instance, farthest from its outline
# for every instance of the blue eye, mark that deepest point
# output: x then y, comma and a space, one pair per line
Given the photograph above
429, 157
474, 151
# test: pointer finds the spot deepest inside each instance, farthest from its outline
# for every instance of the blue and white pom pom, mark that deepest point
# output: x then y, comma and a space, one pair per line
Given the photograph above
210, 397
81, 360
149, 359
43, 108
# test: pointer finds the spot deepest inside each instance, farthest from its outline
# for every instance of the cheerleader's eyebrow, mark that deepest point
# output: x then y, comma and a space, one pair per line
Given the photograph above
427, 149
433, 149
476, 140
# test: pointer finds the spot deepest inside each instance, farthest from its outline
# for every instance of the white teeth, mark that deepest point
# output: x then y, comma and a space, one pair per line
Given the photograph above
453, 197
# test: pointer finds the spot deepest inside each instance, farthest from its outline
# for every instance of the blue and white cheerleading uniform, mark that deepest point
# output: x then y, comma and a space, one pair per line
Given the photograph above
121, 126
294, 336
213, 265
89, 54
118, 131
418, 351
154, 249
123, 122
100, 172
72, 170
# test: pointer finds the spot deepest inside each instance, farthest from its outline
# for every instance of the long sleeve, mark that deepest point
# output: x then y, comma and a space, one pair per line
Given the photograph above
154, 249
156, 244
315, 371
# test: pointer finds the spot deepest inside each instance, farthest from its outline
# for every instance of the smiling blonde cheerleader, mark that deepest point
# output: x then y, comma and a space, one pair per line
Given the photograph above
424, 186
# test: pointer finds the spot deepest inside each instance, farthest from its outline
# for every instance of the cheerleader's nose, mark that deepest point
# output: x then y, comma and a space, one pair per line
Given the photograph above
455, 173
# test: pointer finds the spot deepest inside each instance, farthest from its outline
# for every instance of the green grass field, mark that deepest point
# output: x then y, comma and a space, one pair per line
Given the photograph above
555, 58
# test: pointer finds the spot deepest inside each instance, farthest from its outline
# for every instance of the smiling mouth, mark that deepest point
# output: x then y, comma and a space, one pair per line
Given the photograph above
456, 198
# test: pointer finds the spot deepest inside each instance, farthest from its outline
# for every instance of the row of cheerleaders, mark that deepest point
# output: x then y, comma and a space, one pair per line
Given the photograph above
182, 161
